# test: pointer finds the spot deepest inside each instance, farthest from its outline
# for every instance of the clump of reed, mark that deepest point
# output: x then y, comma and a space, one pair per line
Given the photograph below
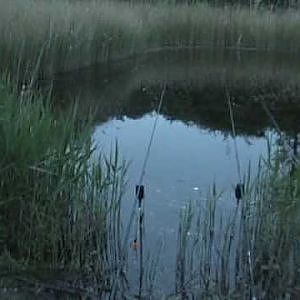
248, 253
59, 204
69, 35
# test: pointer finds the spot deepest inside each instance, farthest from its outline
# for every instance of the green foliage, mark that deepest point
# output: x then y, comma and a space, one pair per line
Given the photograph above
64, 35
57, 201
250, 251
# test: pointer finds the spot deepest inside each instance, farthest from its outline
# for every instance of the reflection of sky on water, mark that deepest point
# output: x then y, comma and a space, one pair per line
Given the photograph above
183, 163
184, 160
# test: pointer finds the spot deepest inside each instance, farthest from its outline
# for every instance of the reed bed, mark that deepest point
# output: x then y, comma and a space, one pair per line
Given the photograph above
60, 211
60, 207
63, 35
249, 253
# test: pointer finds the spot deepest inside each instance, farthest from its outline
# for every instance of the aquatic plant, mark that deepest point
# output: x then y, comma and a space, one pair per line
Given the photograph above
66, 35
60, 206
247, 252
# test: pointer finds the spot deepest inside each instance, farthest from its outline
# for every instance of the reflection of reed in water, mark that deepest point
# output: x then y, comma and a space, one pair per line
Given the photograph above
196, 89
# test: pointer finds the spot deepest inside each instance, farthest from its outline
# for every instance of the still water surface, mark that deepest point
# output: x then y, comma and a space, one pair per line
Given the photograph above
193, 146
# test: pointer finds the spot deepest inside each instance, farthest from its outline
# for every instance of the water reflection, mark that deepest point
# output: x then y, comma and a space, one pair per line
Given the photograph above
196, 89
193, 147
184, 162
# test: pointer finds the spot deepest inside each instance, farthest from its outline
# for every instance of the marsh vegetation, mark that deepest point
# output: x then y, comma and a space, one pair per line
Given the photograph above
62, 35
59, 207
63, 221
251, 253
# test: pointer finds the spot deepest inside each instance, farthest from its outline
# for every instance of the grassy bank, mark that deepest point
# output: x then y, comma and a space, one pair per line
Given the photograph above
59, 207
62, 35
60, 212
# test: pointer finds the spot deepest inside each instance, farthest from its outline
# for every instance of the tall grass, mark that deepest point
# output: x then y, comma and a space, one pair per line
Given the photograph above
60, 210
64, 35
249, 253
59, 205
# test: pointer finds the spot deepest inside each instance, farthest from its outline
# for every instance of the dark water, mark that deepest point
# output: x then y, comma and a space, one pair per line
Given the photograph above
193, 145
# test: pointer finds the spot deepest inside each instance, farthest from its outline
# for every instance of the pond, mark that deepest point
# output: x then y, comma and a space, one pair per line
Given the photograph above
193, 147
